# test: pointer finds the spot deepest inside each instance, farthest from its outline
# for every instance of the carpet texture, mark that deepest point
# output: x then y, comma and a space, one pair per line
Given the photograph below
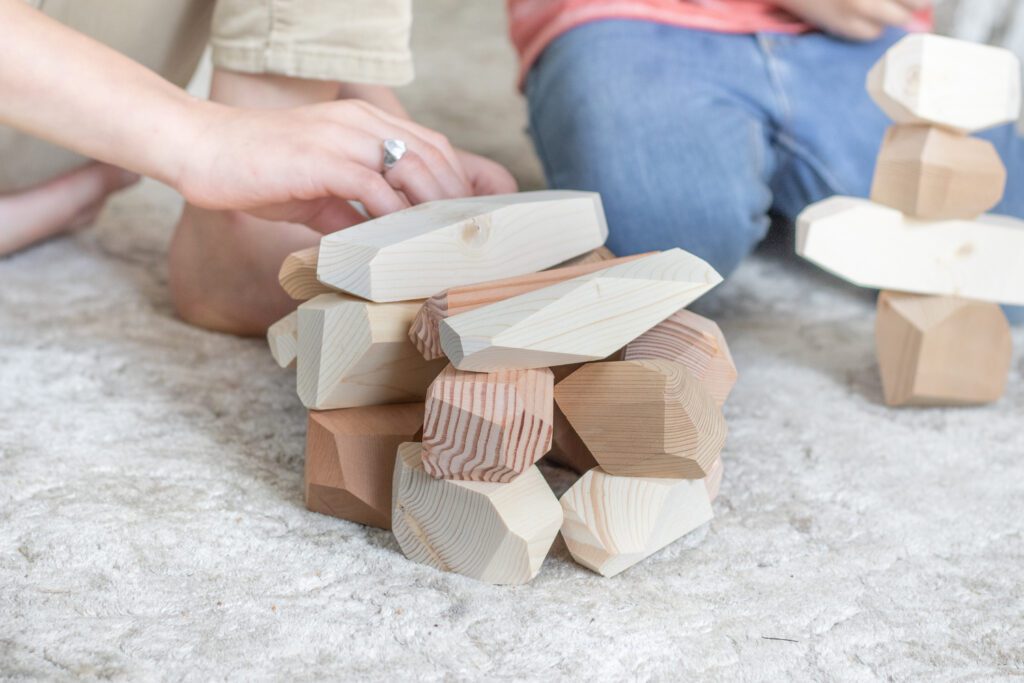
152, 524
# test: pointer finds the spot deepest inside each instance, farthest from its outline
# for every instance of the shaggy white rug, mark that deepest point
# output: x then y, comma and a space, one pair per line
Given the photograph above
152, 524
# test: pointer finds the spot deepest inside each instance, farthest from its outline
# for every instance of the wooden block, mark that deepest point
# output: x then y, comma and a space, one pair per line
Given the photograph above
612, 523
497, 533
418, 252
350, 460
283, 339
298, 275
695, 342
487, 427
583, 319
425, 330
567, 448
593, 256
934, 174
356, 353
938, 350
926, 78
644, 418
713, 482
875, 246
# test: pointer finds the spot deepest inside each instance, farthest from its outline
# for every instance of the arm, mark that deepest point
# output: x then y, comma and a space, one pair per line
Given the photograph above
854, 19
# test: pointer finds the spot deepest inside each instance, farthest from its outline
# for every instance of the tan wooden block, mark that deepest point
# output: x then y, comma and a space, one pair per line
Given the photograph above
876, 246
583, 319
350, 460
592, 256
425, 330
283, 340
964, 86
934, 174
496, 533
567, 448
356, 353
415, 253
938, 350
695, 342
644, 418
298, 275
713, 482
614, 522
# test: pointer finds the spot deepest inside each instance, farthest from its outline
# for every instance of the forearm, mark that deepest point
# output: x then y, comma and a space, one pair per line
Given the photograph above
378, 95
64, 87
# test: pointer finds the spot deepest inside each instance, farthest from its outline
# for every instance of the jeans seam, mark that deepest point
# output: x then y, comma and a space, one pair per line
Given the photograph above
816, 165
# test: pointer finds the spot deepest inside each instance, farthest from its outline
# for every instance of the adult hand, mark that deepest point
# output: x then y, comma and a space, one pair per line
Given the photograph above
855, 19
486, 176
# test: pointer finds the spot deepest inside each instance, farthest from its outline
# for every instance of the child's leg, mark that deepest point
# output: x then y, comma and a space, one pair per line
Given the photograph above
669, 125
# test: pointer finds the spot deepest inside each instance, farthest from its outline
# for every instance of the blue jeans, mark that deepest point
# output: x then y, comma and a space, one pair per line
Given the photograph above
694, 139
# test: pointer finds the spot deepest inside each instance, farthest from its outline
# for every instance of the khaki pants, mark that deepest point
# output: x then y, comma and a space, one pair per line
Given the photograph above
356, 41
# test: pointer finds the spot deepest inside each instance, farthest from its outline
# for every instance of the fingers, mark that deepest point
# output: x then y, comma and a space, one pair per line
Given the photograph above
368, 187
890, 13
415, 179
486, 176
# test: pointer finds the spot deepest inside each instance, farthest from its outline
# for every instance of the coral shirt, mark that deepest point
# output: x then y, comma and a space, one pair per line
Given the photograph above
535, 23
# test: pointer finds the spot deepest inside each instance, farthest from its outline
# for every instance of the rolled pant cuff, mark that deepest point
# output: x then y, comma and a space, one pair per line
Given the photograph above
317, 63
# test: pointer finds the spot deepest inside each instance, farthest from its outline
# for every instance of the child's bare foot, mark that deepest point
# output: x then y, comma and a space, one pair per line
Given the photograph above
61, 205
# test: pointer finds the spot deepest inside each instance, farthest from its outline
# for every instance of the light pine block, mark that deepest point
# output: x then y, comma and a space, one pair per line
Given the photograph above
695, 342
583, 319
350, 460
934, 174
876, 246
644, 418
496, 533
937, 350
298, 275
932, 79
713, 482
355, 353
592, 256
425, 330
487, 426
613, 522
283, 340
415, 253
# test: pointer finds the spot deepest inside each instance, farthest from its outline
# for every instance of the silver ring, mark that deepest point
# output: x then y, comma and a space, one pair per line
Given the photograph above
394, 150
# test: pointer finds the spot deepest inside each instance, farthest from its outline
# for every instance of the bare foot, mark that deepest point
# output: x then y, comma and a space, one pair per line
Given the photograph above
61, 205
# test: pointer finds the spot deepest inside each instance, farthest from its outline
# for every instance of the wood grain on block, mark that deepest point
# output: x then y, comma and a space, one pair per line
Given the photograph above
964, 86
497, 533
356, 353
583, 319
425, 330
415, 253
613, 522
567, 448
592, 256
644, 418
298, 275
713, 482
695, 342
350, 460
934, 174
938, 350
876, 246
283, 340
487, 426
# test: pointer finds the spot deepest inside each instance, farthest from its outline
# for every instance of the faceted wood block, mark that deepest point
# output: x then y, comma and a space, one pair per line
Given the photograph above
939, 350
567, 448
350, 459
298, 275
497, 533
934, 174
613, 522
644, 418
713, 482
283, 340
487, 426
695, 342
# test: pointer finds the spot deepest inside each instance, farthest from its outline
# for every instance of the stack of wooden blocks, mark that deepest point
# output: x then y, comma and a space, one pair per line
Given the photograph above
942, 266
433, 389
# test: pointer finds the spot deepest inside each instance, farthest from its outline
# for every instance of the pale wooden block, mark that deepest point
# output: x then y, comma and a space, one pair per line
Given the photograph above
612, 522
713, 482
356, 353
933, 174
496, 533
875, 246
695, 342
298, 275
593, 256
964, 86
350, 460
644, 418
487, 426
283, 340
583, 319
938, 350
425, 330
420, 251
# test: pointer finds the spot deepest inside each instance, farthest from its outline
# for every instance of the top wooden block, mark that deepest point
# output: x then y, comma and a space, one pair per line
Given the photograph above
418, 252
967, 87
